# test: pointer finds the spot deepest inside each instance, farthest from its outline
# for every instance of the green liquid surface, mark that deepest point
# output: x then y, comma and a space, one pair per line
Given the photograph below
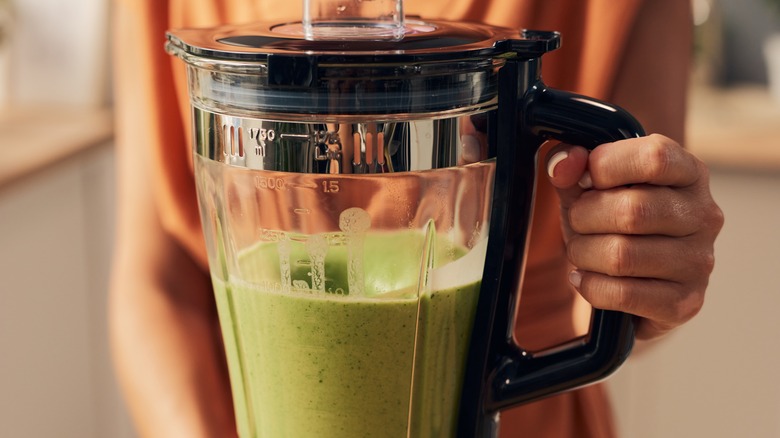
340, 362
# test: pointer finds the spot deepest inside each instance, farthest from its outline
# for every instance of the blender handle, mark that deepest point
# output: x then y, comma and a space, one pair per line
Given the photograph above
588, 122
577, 119
499, 373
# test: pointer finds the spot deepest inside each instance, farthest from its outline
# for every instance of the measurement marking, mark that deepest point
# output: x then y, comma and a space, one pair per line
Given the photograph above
303, 186
294, 136
232, 140
240, 141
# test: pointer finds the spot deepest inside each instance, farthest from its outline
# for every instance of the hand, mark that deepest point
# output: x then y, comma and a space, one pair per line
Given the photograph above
639, 224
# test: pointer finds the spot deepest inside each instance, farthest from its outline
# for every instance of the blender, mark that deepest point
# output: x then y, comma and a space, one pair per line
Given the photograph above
365, 183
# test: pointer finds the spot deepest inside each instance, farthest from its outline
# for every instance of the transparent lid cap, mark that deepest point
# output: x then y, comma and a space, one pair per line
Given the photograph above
353, 19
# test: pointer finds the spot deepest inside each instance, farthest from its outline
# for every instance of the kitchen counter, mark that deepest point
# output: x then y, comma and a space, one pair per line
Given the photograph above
735, 128
34, 138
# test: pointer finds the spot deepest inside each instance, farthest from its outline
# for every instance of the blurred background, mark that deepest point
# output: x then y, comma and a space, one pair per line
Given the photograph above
717, 377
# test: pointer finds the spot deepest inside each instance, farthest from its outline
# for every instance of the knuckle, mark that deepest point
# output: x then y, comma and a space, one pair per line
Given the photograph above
701, 169
631, 213
620, 258
716, 218
688, 306
623, 296
656, 156
707, 262
711, 214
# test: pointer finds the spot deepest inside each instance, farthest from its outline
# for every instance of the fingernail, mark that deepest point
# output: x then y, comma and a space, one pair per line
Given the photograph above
554, 160
585, 182
470, 150
575, 278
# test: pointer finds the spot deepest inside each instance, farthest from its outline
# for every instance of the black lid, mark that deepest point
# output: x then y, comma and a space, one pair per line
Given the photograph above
436, 66
423, 41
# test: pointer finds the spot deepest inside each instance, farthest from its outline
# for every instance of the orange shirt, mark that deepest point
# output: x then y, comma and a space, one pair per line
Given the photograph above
153, 110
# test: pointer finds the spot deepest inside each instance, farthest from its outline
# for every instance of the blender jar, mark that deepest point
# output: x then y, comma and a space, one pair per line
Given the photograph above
365, 185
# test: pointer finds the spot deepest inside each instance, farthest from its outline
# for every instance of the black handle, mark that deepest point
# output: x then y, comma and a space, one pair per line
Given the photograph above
521, 377
576, 119
499, 374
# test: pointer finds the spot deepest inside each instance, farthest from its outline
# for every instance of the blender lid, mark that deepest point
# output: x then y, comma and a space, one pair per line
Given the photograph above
422, 41
434, 66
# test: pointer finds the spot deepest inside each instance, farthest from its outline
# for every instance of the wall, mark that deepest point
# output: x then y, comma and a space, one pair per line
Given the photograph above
746, 23
718, 376
56, 233
59, 52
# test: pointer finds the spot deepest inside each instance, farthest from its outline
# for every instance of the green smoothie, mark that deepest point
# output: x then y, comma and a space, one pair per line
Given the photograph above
313, 355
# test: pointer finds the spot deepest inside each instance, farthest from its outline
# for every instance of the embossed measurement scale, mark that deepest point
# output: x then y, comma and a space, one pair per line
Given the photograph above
337, 147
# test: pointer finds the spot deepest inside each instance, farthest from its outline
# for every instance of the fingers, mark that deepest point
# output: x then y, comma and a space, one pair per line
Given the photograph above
473, 139
639, 186
616, 255
640, 209
639, 224
471, 149
654, 159
661, 305
566, 164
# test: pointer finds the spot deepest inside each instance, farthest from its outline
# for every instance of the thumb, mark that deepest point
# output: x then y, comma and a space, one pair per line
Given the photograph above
567, 170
